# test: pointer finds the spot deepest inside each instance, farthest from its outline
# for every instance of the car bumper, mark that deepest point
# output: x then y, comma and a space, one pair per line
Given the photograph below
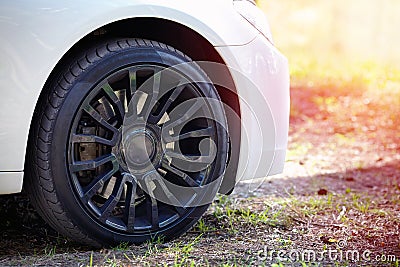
11, 182
261, 76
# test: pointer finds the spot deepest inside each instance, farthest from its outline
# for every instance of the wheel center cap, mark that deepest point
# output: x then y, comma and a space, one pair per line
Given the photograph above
139, 148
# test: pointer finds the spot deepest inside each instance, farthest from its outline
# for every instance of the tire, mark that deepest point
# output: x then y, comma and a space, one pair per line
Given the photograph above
128, 144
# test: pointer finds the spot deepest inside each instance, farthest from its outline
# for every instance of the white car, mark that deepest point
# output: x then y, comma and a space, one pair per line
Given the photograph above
123, 119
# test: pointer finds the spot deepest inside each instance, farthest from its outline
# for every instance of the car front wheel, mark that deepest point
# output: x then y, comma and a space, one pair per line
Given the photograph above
128, 144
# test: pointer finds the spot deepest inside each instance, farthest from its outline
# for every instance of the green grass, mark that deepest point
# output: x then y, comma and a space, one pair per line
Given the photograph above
50, 251
203, 227
124, 246
232, 214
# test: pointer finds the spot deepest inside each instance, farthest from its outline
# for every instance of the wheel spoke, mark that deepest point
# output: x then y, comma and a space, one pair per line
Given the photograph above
97, 184
130, 92
152, 96
131, 115
129, 212
113, 200
155, 176
132, 83
115, 101
186, 116
178, 89
190, 158
206, 132
92, 164
186, 178
152, 206
91, 138
98, 118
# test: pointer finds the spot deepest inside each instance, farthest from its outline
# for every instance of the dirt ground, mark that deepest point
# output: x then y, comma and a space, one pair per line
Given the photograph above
336, 204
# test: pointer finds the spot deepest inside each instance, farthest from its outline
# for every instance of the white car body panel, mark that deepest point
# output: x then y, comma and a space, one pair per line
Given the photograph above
264, 114
35, 35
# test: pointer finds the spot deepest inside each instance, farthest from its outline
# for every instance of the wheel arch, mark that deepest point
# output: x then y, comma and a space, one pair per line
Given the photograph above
184, 39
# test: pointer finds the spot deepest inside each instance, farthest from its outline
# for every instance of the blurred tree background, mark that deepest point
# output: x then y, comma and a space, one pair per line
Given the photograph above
336, 32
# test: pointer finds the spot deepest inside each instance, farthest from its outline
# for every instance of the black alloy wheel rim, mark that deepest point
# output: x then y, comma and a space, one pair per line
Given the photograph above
120, 156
